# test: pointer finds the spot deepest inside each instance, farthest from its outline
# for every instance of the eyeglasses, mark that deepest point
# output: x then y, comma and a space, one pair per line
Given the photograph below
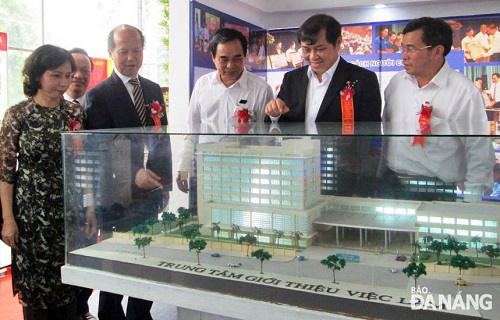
411, 50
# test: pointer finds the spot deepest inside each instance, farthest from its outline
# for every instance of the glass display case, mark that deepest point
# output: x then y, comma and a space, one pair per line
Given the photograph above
311, 221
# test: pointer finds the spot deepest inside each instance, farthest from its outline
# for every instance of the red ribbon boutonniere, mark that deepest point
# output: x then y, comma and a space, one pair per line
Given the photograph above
347, 105
242, 115
424, 121
156, 112
75, 125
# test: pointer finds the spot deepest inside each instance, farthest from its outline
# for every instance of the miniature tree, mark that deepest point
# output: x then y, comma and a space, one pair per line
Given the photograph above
333, 263
415, 270
476, 240
261, 255
438, 247
453, 245
257, 231
235, 228
151, 222
166, 219
191, 233
197, 245
249, 240
278, 234
462, 263
216, 229
183, 214
142, 242
180, 224
296, 235
415, 247
193, 212
427, 240
491, 252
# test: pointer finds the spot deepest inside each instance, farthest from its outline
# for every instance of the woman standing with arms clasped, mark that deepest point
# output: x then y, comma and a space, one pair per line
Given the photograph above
31, 184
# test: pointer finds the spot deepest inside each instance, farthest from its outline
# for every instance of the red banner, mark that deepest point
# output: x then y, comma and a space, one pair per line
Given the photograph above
3, 41
99, 71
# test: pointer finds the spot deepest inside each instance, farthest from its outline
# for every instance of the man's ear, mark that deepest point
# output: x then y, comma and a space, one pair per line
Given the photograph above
110, 54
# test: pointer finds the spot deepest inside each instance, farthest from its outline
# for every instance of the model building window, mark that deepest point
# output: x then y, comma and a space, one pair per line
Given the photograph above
462, 232
490, 223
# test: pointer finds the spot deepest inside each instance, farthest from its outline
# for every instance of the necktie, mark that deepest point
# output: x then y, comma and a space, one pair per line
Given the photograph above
138, 100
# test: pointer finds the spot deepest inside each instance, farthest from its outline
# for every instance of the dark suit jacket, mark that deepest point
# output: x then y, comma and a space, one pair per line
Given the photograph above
109, 105
367, 100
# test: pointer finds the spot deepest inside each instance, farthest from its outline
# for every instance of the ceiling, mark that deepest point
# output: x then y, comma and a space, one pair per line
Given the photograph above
277, 6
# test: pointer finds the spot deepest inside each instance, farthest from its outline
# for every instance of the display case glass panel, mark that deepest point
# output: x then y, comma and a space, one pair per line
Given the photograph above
376, 196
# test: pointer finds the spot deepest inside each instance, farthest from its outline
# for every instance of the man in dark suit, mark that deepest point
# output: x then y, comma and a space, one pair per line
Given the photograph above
139, 191
313, 93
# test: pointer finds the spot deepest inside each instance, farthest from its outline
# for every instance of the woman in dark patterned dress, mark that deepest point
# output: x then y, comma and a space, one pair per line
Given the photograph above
31, 184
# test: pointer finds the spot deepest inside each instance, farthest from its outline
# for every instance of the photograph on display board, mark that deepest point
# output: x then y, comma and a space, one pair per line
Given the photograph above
476, 37
388, 38
356, 40
284, 50
257, 50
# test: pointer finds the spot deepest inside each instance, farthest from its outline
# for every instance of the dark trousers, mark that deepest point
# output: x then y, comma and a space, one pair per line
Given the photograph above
66, 312
110, 308
82, 299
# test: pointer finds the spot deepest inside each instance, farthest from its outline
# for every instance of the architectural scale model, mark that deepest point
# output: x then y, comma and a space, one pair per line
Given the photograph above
278, 187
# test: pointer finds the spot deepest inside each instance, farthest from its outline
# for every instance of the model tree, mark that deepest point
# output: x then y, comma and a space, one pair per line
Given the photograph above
476, 240
166, 219
427, 240
453, 245
193, 212
183, 214
235, 229
197, 245
262, 256
191, 233
462, 263
438, 247
492, 252
278, 234
334, 263
249, 240
151, 222
181, 224
296, 235
216, 229
257, 231
415, 248
414, 271
142, 242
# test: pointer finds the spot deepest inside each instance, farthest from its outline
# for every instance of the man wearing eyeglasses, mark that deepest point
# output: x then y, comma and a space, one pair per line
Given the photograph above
429, 94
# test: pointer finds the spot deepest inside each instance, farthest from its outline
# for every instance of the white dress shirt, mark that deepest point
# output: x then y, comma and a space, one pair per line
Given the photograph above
316, 91
495, 44
213, 104
212, 101
455, 100
482, 39
81, 100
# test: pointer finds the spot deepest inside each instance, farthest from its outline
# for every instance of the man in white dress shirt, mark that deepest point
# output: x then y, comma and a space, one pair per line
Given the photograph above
494, 91
428, 80
217, 96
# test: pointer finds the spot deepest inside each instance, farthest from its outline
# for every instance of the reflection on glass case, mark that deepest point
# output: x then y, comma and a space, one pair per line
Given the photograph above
364, 221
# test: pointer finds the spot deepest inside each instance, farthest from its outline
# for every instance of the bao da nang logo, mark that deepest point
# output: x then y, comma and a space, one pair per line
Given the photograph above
422, 299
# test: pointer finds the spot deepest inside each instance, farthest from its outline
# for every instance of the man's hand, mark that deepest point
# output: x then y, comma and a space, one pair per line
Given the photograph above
276, 107
182, 181
146, 179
